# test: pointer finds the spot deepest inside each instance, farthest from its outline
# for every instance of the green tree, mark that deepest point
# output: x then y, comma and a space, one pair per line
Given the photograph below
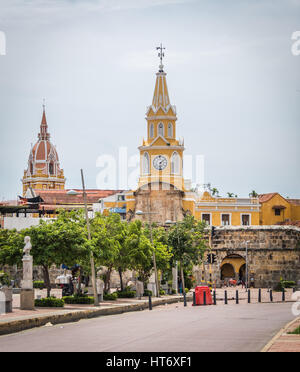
108, 237
188, 243
140, 250
61, 241
11, 249
253, 194
215, 192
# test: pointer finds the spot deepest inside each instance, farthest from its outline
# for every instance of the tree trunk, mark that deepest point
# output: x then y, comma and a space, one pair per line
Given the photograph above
121, 279
107, 279
79, 282
182, 278
47, 280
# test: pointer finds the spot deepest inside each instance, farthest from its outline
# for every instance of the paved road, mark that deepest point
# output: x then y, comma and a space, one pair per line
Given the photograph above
171, 328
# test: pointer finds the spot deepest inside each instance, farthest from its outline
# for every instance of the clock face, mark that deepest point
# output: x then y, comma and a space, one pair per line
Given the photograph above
160, 162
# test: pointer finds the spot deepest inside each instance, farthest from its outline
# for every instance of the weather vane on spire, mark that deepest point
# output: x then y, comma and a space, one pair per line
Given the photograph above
161, 55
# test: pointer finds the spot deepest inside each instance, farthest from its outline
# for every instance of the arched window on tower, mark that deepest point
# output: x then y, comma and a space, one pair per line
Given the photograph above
160, 129
146, 163
151, 131
31, 168
170, 130
175, 163
51, 169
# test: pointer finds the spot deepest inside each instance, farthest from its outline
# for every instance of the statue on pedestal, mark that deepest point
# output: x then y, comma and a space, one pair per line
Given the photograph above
27, 291
27, 247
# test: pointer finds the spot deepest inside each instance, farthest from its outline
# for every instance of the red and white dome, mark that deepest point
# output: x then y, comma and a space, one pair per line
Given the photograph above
43, 156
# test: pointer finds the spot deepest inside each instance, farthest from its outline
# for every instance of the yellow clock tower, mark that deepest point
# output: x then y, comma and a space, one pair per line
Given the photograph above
161, 153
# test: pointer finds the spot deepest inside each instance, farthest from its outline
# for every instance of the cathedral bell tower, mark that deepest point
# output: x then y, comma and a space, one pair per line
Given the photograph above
161, 153
43, 171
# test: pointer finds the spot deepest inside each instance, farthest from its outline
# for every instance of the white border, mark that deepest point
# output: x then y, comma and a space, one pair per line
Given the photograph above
245, 214
222, 214
210, 219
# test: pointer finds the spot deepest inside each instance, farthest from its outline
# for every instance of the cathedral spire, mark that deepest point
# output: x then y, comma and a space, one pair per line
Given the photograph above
161, 94
44, 135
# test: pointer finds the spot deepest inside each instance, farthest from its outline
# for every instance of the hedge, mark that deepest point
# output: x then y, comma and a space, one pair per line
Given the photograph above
38, 284
283, 284
110, 296
79, 300
126, 294
49, 302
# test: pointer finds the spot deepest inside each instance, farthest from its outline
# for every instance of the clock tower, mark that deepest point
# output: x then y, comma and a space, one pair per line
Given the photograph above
161, 154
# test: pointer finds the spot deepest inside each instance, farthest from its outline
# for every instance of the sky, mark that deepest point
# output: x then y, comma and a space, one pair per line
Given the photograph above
230, 70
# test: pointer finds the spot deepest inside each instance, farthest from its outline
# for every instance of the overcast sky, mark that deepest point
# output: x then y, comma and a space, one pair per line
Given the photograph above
231, 75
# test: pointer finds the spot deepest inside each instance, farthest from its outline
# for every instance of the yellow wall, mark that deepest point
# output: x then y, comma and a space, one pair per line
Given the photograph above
267, 214
295, 212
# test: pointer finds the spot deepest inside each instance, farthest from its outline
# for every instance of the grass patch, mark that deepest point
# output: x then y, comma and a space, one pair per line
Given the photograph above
295, 332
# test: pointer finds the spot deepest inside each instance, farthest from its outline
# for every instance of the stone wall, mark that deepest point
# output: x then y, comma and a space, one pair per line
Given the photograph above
164, 204
273, 253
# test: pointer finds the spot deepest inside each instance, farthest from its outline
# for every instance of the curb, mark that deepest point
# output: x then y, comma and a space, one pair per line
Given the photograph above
39, 321
267, 347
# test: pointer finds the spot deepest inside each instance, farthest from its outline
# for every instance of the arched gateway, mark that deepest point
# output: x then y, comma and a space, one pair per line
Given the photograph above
233, 267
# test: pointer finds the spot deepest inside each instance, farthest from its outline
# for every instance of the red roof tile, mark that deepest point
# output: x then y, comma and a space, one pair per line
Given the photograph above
266, 197
294, 201
61, 197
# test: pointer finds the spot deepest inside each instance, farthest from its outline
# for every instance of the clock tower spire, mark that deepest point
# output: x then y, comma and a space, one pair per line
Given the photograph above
161, 153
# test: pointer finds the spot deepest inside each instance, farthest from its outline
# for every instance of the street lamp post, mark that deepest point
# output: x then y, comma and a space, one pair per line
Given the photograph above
96, 301
169, 222
141, 213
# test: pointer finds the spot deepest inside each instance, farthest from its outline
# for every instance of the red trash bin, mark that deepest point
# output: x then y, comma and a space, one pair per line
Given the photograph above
199, 294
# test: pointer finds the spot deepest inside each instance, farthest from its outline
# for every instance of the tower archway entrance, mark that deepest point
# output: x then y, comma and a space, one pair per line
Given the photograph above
233, 267
227, 271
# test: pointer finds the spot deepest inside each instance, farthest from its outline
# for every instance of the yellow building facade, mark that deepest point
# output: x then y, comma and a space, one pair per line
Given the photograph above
277, 210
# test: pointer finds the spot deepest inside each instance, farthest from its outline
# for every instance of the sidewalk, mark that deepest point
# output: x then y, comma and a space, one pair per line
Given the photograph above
20, 320
284, 342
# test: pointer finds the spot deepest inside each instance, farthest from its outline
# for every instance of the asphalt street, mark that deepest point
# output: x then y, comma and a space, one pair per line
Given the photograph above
171, 328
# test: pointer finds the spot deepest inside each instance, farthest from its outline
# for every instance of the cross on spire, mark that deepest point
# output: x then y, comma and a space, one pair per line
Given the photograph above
161, 55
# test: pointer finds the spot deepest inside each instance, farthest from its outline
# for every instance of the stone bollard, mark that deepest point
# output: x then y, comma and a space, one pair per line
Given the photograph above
139, 289
150, 303
249, 296
100, 289
215, 298
194, 299
259, 295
